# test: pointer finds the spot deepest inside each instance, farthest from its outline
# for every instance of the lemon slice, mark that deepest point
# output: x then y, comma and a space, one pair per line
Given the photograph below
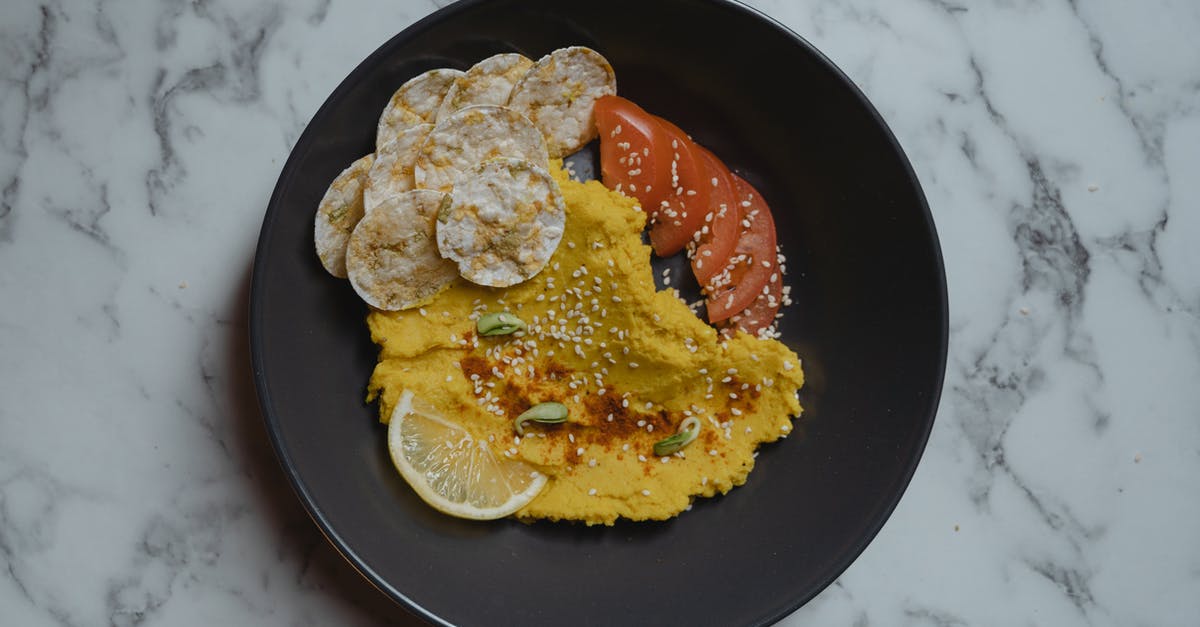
451, 470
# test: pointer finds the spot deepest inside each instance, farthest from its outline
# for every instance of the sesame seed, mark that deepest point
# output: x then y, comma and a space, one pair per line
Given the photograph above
592, 462
645, 493
579, 451
641, 458
592, 492
633, 364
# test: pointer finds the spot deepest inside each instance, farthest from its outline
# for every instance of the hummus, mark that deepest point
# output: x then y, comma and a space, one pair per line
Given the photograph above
629, 362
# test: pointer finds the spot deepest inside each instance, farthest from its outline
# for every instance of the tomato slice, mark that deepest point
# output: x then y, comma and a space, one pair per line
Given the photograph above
632, 158
683, 210
714, 242
750, 266
761, 312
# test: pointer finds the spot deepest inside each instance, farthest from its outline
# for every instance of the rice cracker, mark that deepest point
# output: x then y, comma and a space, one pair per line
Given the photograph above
472, 135
338, 213
392, 257
416, 102
504, 220
392, 172
488, 82
558, 94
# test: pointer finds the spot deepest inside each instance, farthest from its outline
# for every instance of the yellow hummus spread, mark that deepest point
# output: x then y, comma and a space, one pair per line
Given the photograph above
629, 362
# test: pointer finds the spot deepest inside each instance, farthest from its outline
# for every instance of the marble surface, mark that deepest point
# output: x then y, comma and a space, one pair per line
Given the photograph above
1059, 145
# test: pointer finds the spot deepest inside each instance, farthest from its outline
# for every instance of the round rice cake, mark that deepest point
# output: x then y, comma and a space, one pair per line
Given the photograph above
559, 93
503, 222
488, 82
472, 135
392, 257
338, 213
392, 172
416, 102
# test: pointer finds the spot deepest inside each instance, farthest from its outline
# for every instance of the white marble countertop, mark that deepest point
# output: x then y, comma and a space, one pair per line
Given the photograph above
1058, 142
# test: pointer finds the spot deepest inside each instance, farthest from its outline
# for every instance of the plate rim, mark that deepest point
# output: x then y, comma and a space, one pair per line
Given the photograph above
303, 146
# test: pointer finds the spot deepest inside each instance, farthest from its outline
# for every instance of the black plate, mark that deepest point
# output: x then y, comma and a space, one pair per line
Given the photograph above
869, 321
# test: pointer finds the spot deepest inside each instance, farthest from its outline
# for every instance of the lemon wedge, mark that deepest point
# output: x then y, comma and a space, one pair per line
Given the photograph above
452, 471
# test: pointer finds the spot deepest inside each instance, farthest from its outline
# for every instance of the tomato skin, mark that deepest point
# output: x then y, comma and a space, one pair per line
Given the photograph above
631, 160
714, 245
750, 267
727, 224
682, 215
761, 312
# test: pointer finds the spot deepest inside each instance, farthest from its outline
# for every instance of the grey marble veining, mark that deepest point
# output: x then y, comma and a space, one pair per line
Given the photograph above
1058, 142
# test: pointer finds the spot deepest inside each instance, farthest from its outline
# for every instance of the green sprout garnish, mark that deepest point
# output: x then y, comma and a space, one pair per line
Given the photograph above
688, 430
502, 323
547, 413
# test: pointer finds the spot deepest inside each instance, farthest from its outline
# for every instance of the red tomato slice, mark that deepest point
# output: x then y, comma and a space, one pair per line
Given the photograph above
750, 267
722, 224
761, 312
682, 213
631, 160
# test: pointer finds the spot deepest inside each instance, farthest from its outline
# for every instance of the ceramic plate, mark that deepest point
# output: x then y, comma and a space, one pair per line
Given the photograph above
869, 321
